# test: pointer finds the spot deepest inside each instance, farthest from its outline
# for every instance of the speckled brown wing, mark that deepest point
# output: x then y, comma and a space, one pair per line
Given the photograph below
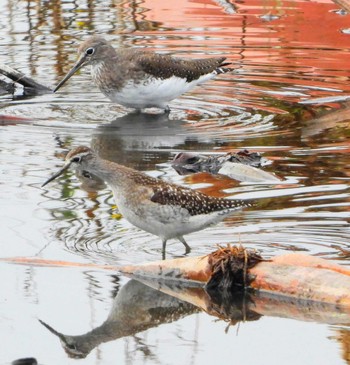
164, 66
194, 201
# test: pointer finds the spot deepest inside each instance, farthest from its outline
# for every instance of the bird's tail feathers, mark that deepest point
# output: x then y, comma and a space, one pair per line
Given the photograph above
222, 69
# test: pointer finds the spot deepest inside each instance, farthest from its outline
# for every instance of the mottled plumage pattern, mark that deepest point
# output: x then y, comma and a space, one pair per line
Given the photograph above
174, 195
170, 194
166, 210
163, 66
194, 201
140, 78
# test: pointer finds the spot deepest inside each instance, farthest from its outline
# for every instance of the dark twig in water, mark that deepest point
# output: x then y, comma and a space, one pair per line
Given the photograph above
28, 83
245, 269
343, 252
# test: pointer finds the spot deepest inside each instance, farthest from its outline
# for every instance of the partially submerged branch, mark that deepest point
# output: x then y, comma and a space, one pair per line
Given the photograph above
229, 269
293, 275
30, 85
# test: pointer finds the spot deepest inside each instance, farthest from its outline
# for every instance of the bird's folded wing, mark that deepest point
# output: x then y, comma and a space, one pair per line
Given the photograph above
165, 66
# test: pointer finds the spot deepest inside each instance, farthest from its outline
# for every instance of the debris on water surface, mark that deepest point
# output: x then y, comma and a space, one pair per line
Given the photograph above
187, 163
230, 267
31, 87
25, 361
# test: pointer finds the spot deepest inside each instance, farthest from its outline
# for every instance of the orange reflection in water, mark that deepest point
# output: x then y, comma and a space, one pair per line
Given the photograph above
292, 43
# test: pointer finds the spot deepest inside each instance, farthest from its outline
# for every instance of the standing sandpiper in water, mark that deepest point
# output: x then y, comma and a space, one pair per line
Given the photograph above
163, 209
140, 79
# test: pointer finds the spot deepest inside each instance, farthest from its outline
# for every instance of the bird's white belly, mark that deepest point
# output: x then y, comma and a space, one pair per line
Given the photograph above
162, 221
153, 92
150, 92
167, 222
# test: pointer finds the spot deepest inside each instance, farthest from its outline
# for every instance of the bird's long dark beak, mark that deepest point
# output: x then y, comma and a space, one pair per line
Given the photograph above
77, 66
58, 173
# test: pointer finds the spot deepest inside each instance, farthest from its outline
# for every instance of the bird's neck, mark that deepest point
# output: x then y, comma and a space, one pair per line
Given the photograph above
104, 75
113, 173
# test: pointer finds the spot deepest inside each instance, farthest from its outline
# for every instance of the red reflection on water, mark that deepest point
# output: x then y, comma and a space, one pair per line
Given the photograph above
291, 47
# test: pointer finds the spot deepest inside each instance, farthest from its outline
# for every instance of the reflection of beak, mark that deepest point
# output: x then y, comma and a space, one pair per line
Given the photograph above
69, 343
59, 335
77, 66
58, 173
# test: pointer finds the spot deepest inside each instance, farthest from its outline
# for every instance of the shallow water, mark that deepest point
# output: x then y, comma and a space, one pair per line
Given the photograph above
283, 100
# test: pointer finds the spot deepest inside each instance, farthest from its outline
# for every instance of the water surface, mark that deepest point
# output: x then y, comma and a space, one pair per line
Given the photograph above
286, 100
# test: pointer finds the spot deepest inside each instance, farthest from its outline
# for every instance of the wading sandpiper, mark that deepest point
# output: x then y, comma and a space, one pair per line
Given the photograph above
137, 78
163, 209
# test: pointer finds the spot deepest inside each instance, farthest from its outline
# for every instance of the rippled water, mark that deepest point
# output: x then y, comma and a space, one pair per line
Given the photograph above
286, 100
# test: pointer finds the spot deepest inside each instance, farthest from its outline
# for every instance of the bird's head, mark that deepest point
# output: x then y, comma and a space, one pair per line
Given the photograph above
94, 50
79, 158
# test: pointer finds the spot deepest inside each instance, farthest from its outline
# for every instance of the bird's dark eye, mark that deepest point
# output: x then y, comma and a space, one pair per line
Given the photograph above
86, 174
71, 346
76, 159
90, 51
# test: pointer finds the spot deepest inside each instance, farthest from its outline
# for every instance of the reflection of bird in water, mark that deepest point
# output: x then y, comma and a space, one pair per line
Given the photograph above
138, 78
136, 308
128, 138
163, 209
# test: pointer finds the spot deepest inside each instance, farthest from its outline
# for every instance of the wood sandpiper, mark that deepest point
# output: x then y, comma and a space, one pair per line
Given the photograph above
163, 209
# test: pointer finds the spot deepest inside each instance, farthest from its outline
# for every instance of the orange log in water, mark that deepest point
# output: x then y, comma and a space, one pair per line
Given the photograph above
297, 276
294, 275
303, 277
